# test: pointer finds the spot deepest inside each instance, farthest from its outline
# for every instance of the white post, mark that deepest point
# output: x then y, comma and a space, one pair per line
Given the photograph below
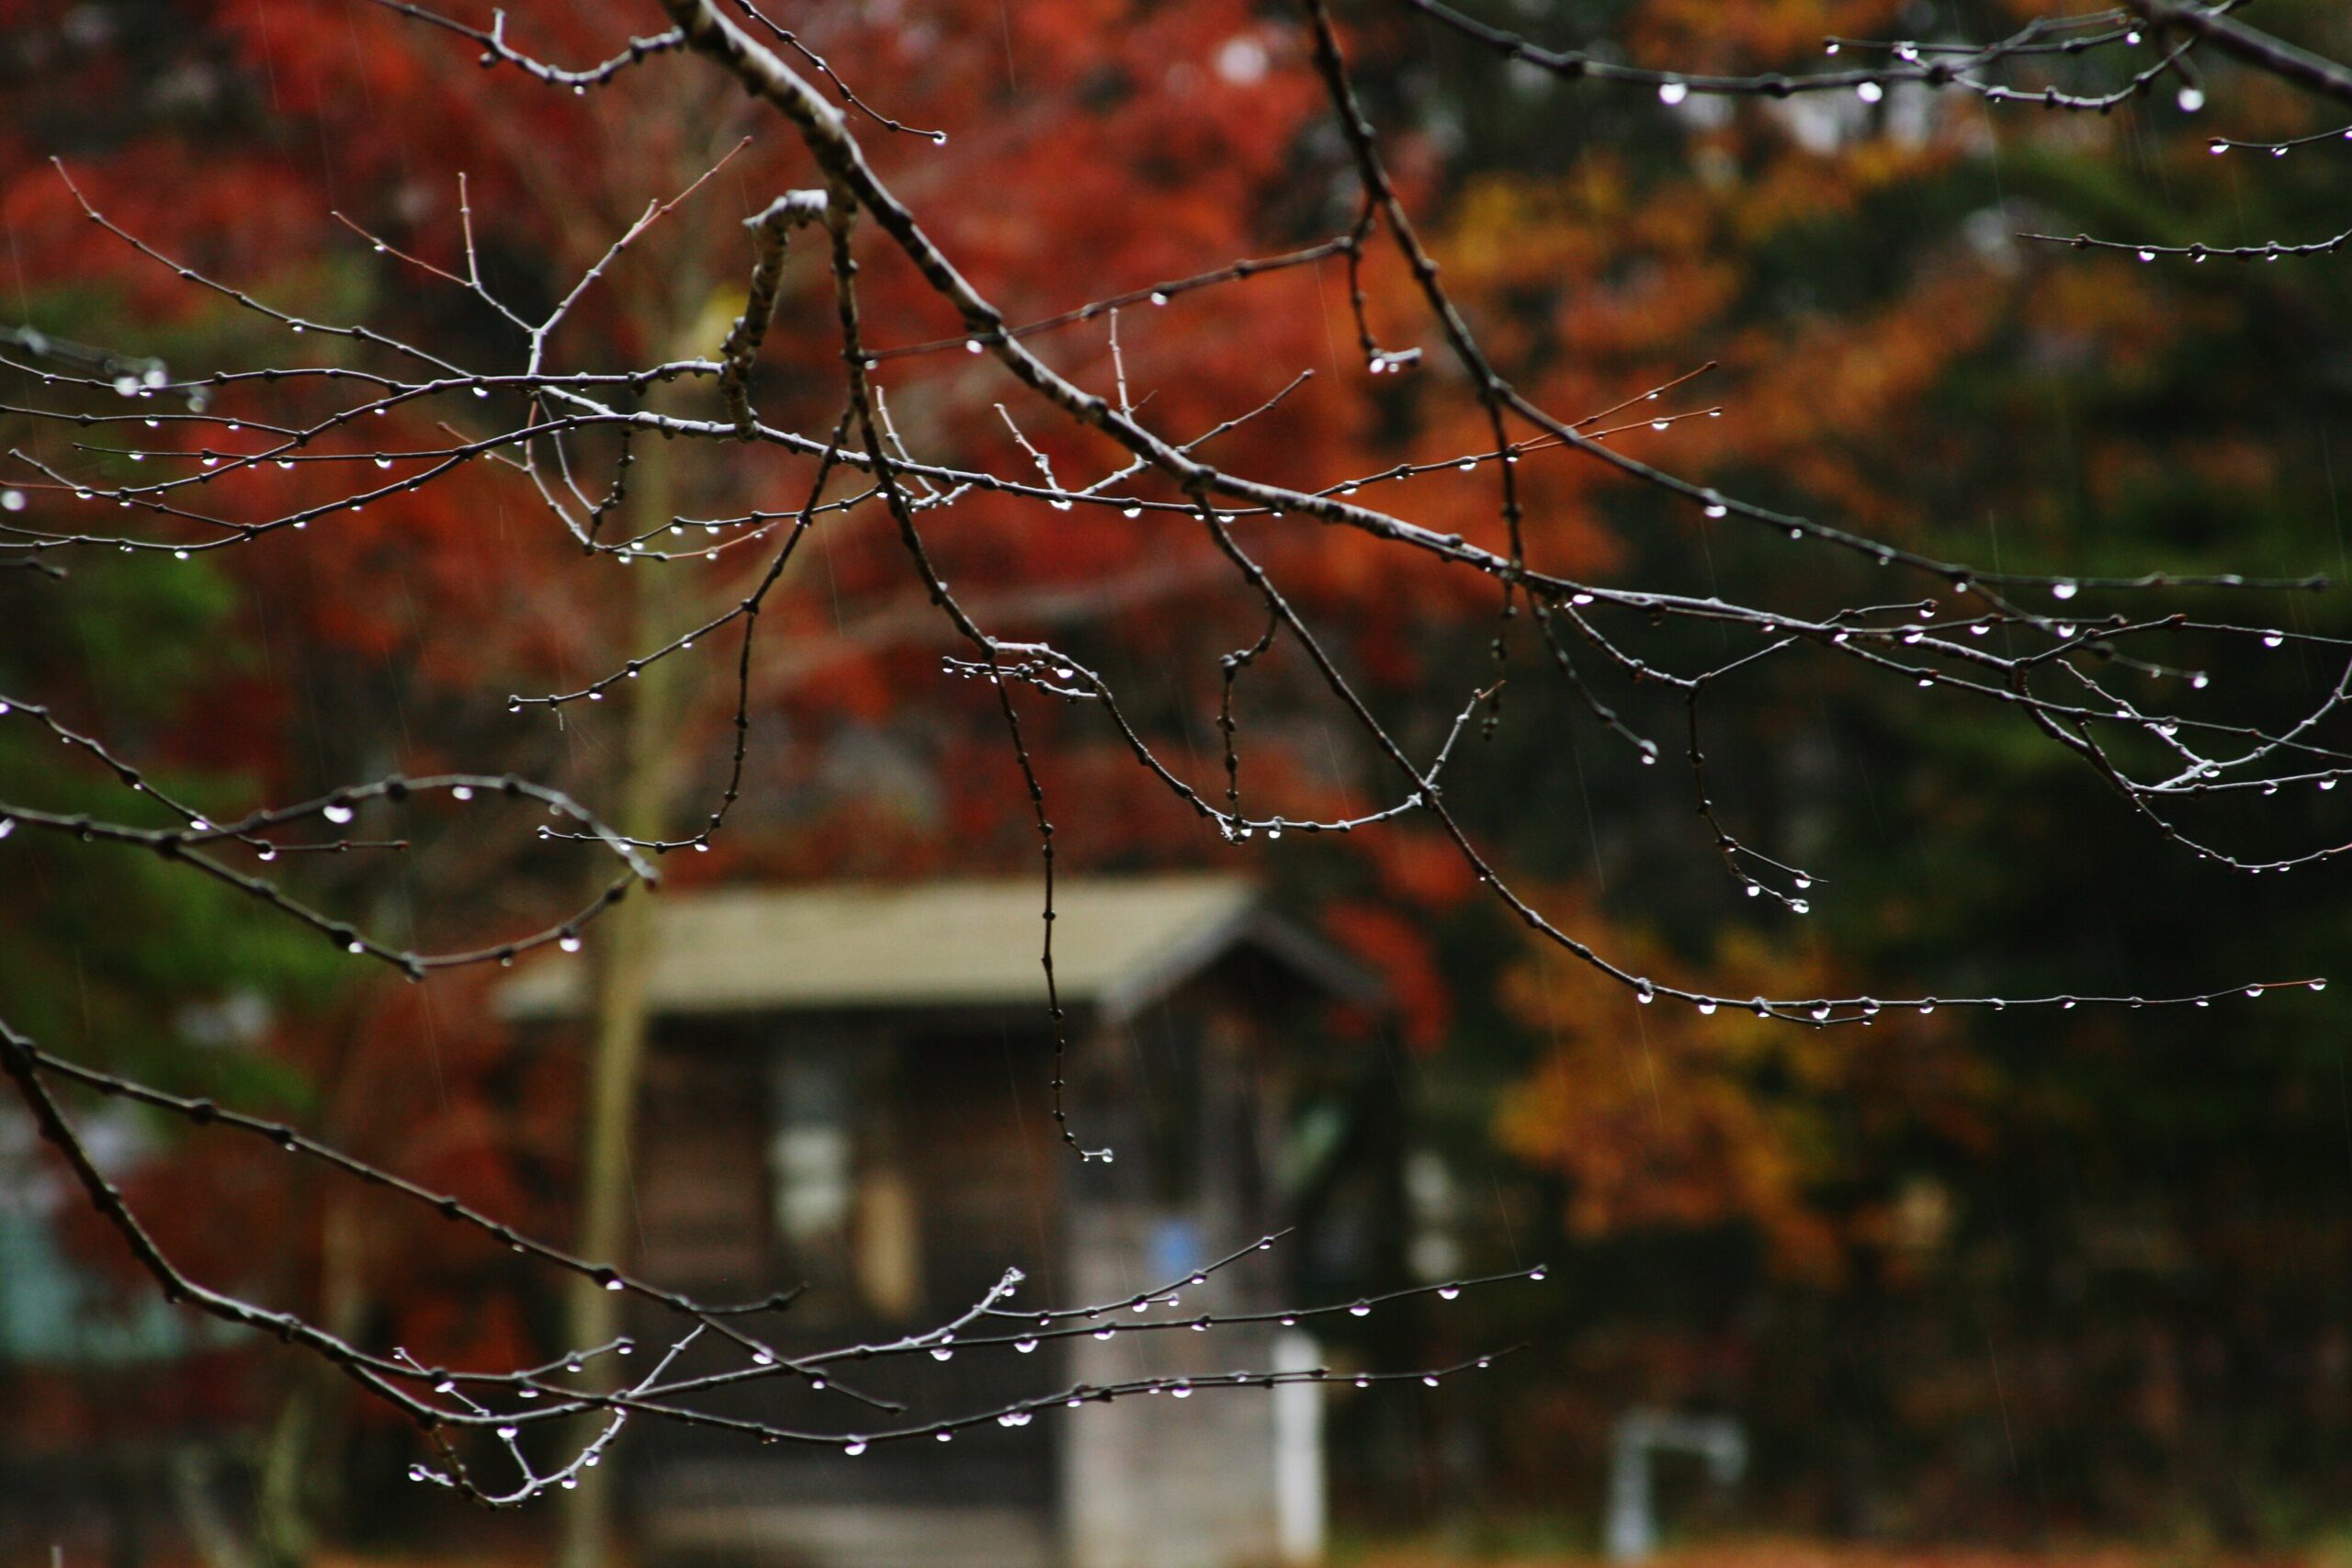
1631, 1530
1298, 1451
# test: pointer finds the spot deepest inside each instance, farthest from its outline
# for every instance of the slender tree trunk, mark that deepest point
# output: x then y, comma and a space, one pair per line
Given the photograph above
624, 953
300, 1476
283, 1536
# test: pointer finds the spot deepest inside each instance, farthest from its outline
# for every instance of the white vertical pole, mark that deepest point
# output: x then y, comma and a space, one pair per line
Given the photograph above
1633, 1523
1298, 1451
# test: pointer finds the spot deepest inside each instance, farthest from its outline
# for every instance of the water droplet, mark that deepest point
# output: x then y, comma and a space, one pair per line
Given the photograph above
2148, 255
1181, 1390
1448, 1292
2065, 590
1157, 298
1024, 1346
338, 814
462, 792
854, 1447
2190, 99
1131, 512
972, 346
1870, 91
1672, 92
1717, 509
1707, 1009
1106, 1331
1361, 1309
2272, 639
569, 942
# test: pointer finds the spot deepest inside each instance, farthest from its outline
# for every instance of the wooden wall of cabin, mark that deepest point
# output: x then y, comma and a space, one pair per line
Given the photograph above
972, 1126
952, 1179
957, 1174
953, 1171
699, 1172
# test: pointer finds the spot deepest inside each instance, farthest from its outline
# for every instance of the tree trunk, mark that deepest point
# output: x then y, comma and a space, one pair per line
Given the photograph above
623, 948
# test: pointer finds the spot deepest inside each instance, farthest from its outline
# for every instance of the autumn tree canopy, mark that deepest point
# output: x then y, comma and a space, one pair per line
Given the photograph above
467, 470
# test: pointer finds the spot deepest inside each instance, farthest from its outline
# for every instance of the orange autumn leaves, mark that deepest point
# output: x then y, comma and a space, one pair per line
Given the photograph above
1658, 1117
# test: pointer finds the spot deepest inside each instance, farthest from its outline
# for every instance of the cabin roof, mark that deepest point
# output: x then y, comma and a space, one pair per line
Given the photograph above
1119, 943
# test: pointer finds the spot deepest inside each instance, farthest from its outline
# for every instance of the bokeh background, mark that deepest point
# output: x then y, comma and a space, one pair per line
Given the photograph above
2021, 1283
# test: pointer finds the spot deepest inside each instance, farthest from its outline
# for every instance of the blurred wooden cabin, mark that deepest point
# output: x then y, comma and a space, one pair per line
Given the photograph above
848, 1087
